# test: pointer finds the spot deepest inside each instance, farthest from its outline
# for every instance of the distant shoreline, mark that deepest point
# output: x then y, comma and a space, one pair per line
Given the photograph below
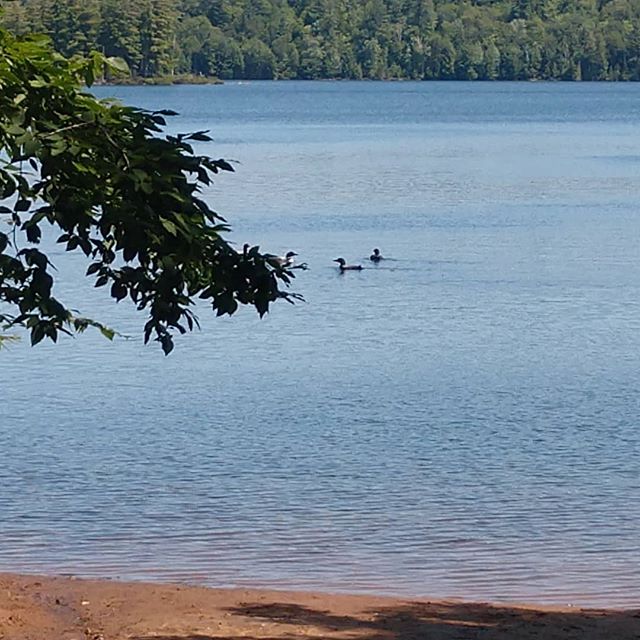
158, 81
169, 81
56, 607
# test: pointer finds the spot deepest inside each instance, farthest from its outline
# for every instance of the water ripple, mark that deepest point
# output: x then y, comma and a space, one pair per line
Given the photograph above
462, 423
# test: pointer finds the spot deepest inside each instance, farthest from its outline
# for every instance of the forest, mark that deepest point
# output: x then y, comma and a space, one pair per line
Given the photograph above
346, 39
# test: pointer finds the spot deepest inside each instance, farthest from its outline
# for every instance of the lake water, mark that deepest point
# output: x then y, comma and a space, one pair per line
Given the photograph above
459, 421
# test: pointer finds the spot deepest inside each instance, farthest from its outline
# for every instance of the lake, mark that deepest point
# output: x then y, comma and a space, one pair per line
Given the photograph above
460, 421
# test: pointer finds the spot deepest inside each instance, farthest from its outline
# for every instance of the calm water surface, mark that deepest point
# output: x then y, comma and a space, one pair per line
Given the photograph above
460, 421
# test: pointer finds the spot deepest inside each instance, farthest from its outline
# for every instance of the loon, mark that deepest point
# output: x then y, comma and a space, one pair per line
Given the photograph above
376, 256
347, 267
283, 261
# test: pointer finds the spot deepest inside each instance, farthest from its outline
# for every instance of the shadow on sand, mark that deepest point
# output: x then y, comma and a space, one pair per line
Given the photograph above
427, 621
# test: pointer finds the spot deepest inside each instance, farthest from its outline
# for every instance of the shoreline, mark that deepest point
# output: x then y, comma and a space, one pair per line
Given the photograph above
34, 607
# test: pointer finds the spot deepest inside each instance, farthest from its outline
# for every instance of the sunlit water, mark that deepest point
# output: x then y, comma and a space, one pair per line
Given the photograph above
460, 421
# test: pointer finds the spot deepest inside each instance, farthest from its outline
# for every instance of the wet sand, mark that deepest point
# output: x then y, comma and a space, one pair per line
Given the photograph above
57, 608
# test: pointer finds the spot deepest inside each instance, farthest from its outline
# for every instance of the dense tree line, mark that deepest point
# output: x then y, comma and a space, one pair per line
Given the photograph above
417, 39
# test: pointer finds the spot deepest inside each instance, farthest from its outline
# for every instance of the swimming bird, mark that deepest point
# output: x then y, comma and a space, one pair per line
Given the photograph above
347, 267
376, 256
283, 261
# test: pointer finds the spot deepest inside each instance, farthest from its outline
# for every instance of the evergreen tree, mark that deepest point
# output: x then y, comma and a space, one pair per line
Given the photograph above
119, 32
158, 22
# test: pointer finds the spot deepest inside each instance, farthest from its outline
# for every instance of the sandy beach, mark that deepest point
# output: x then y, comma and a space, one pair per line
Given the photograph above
62, 608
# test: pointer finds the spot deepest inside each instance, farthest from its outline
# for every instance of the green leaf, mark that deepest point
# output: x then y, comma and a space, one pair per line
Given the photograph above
89, 76
41, 283
169, 226
118, 65
118, 291
15, 130
167, 344
200, 136
33, 233
107, 333
93, 268
224, 165
37, 334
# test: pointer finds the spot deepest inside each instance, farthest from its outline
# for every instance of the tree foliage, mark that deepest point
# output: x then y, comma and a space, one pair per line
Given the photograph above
417, 39
114, 189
